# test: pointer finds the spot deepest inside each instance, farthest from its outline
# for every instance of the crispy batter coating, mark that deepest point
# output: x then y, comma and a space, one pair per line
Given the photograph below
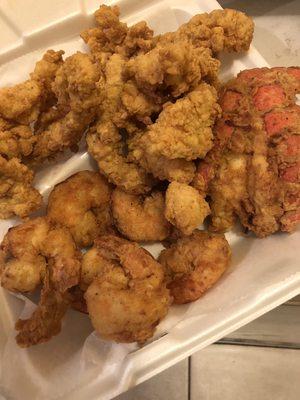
184, 129
112, 36
81, 203
21, 103
17, 195
185, 208
45, 322
15, 140
136, 284
221, 30
177, 67
140, 218
161, 167
105, 141
194, 264
61, 134
45, 71
75, 84
38, 252
129, 299
253, 170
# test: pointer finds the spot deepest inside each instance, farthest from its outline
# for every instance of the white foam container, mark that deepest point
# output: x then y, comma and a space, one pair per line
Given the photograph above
264, 273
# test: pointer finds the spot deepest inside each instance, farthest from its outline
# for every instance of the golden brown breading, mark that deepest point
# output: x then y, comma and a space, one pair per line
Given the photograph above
75, 84
17, 195
15, 140
140, 218
176, 67
184, 129
81, 203
38, 252
21, 103
128, 300
112, 36
194, 264
45, 71
61, 134
221, 30
185, 208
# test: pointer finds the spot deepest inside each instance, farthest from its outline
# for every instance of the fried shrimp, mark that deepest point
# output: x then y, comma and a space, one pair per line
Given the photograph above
81, 203
17, 195
185, 208
38, 252
194, 264
129, 298
140, 218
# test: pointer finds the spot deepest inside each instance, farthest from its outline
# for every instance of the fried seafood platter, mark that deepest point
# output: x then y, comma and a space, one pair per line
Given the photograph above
172, 150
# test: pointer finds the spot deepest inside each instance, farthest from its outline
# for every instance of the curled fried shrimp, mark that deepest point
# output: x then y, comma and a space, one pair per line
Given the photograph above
17, 195
38, 252
194, 264
128, 299
81, 203
185, 207
140, 218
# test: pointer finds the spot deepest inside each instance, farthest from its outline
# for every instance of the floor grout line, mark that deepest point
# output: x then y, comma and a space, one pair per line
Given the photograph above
259, 343
189, 377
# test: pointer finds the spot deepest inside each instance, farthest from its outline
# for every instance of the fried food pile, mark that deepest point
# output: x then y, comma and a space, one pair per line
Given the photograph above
253, 171
169, 154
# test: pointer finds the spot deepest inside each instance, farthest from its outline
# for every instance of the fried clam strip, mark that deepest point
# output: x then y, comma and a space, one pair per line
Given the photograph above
253, 170
78, 97
38, 252
45, 71
221, 30
128, 298
112, 36
17, 195
16, 140
105, 141
194, 264
82, 204
140, 218
22, 103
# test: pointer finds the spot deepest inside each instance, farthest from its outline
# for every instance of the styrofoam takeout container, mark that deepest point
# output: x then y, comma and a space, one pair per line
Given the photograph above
264, 273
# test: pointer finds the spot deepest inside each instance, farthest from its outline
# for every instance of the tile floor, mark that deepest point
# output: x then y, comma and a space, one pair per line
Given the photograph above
260, 361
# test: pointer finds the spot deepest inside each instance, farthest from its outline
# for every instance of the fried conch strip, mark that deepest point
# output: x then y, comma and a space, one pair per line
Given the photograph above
38, 252
17, 195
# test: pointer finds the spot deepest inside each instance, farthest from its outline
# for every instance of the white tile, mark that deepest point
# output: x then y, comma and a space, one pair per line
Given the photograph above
172, 384
279, 327
224, 372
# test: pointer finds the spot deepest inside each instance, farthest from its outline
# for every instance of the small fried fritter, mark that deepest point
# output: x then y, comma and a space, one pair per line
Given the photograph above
186, 209
194, 264
17, 195
129, 299
140, 218
81, 203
